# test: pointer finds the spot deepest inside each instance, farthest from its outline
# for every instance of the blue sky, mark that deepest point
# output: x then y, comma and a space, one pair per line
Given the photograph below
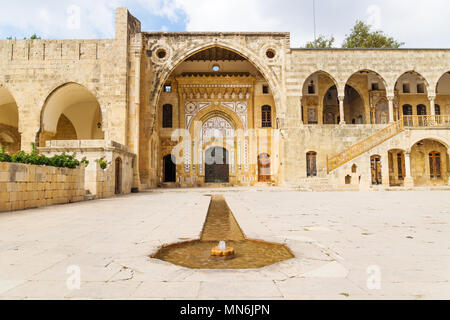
418, 23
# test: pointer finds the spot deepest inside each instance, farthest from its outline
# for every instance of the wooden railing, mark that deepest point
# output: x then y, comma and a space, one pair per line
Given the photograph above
385, 134
427, 121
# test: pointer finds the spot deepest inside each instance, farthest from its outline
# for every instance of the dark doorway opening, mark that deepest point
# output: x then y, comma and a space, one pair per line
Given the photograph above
170, 169
217, 167
118, 175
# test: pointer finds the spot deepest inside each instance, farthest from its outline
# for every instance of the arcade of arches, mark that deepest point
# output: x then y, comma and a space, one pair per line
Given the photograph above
219, 118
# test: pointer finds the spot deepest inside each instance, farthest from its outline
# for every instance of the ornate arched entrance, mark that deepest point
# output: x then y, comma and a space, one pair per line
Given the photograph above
217, 167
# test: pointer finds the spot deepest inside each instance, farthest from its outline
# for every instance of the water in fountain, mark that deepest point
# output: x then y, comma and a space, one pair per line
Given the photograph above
220, 225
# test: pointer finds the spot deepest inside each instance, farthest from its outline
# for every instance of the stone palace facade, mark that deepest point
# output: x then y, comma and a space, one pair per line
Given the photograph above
239, 109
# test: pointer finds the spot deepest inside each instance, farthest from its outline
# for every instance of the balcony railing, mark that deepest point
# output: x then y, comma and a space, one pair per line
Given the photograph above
427, 121
385, 134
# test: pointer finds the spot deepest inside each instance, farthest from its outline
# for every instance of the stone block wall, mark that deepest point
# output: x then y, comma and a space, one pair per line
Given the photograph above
24, 186
100, 183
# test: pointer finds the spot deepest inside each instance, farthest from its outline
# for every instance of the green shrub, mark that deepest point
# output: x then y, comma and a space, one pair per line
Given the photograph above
34, 158
103, 163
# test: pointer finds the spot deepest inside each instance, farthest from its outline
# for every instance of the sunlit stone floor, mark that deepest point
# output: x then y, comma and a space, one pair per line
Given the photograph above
379, 245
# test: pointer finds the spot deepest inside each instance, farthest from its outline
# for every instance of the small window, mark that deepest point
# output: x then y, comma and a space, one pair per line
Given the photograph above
406, 88
216, 68
167, 116
266, 116
354, 168
311, 88
265, 89
161, 53
348, 179
375, 86
420, 88
270, 54
168, 88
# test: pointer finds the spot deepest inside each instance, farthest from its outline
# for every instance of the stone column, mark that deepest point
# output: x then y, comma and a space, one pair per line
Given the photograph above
29, 125
341, 109
385, 170
391, 108
409, 182
432, 107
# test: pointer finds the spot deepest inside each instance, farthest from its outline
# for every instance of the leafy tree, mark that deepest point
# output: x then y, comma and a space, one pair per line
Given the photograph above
362, 37
322, 42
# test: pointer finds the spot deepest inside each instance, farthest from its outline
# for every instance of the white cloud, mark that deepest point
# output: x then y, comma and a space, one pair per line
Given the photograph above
49, 18
418, 23
169, 9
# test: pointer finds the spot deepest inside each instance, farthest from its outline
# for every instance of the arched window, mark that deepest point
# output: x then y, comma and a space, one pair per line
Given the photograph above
167, 116
437, 109
266, 116
407, 110
421, 110
435, 165
311, 164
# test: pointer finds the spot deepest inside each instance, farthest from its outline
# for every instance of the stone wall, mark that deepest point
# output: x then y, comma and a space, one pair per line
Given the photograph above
28, 186
100, 183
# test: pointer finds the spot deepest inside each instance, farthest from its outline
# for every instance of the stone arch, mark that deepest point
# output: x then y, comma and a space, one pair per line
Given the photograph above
217, 111
426, 136
430, 162
329, 75
439, 83
164, 73
79, 105
370, 71
10, 137
417, 74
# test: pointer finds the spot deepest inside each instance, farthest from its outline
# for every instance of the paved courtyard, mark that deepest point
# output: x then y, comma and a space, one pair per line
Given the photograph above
379, 245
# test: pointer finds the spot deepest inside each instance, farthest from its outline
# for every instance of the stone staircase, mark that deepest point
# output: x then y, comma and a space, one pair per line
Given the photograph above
405, 122
364, 145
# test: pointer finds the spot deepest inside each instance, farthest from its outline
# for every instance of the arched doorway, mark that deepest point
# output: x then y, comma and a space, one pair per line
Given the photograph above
429, 163
264, 174
382, 112
375, 165
216, 165
397, 168
118, 176
170, 169
71, 112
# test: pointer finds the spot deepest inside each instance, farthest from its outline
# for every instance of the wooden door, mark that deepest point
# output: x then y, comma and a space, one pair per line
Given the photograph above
376, 170
435, 165
264, 174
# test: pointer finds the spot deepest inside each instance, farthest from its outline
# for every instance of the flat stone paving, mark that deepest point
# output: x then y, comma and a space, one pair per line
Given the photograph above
349, 245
